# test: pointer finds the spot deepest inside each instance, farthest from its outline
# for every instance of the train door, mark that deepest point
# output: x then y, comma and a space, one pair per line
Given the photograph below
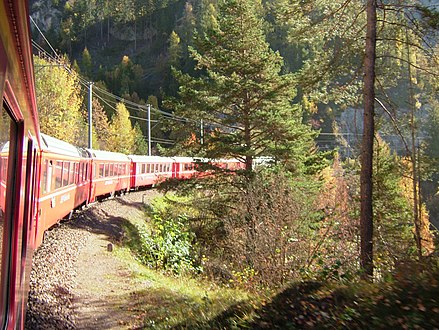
29, 224
93, 174
175, 169
11, 134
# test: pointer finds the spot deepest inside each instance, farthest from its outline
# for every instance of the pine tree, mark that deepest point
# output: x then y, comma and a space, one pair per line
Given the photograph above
242, 96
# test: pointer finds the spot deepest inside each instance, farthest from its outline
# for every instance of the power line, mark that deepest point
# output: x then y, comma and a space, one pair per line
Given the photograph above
85, 82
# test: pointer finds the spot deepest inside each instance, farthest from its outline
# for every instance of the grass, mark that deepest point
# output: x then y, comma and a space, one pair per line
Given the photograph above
165, 302
406, 300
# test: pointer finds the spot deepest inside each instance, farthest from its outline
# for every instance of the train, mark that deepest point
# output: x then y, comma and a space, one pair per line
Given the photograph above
43, 179
71, 177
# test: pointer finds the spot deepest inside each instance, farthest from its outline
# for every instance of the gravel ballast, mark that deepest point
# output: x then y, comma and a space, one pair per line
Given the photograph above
56, 288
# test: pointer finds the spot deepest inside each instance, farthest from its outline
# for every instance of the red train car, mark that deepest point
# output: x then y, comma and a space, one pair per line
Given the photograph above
64, 182
184, 167
110, 174
19, 142
149, 170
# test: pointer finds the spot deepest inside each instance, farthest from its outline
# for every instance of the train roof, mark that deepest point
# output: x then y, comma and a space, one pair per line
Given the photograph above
185, 159
51, 144
107, 155
150, 159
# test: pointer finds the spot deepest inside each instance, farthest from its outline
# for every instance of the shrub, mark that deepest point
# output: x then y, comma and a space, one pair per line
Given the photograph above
167, 243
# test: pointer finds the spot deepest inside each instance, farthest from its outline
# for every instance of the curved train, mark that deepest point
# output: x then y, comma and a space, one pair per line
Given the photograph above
43, 179
71, 177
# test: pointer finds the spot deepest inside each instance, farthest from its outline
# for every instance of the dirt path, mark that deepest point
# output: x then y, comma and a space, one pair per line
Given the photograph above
103, 296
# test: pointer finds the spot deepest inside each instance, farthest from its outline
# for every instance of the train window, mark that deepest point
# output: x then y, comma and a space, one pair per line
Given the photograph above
58, 175
44, 179
65, 173
8, 155
72, 174
106, 170
5, 132
76, 172
101, 170
49, 176
81, 172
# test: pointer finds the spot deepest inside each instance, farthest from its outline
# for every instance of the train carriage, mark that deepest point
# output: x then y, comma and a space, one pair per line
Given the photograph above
184, 167
19, 145
149, 170
110, 173
64, 183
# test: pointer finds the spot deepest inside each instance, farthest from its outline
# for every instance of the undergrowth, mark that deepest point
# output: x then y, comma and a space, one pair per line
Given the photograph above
407, 298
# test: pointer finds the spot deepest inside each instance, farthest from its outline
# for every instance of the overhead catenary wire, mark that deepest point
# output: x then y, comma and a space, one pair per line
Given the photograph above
85, 82
129, 104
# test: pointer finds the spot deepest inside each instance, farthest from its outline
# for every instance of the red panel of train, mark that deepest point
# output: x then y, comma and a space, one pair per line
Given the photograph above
64, 184
147, 171
110, 173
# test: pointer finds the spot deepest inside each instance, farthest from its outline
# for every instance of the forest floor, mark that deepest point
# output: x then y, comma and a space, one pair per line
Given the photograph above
114, 291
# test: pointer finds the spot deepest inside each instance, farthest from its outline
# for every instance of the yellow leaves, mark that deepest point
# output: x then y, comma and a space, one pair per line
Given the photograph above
125, 60
59, 100
121, 132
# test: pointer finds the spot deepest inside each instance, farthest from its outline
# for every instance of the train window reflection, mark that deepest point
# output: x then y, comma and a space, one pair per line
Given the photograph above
58, 175
44, 181
6, 124
5, 131
65, 176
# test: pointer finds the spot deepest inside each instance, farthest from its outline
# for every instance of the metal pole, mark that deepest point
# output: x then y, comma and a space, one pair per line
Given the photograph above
90, 119
149, 129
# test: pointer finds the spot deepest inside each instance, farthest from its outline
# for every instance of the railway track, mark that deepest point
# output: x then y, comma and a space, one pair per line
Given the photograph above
76, 283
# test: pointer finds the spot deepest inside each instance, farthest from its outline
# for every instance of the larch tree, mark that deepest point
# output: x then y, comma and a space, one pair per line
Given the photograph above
122, 137
140, 143
241, 95
101, 131
86, 63
59, 100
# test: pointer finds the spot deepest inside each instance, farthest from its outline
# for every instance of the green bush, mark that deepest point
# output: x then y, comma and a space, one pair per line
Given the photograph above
168, 242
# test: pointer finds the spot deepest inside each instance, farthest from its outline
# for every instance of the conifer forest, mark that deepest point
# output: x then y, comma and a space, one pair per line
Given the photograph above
331, 106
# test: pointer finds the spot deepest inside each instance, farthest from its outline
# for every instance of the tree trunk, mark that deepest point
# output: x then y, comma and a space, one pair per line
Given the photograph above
108, 30
366, 216
415, 173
